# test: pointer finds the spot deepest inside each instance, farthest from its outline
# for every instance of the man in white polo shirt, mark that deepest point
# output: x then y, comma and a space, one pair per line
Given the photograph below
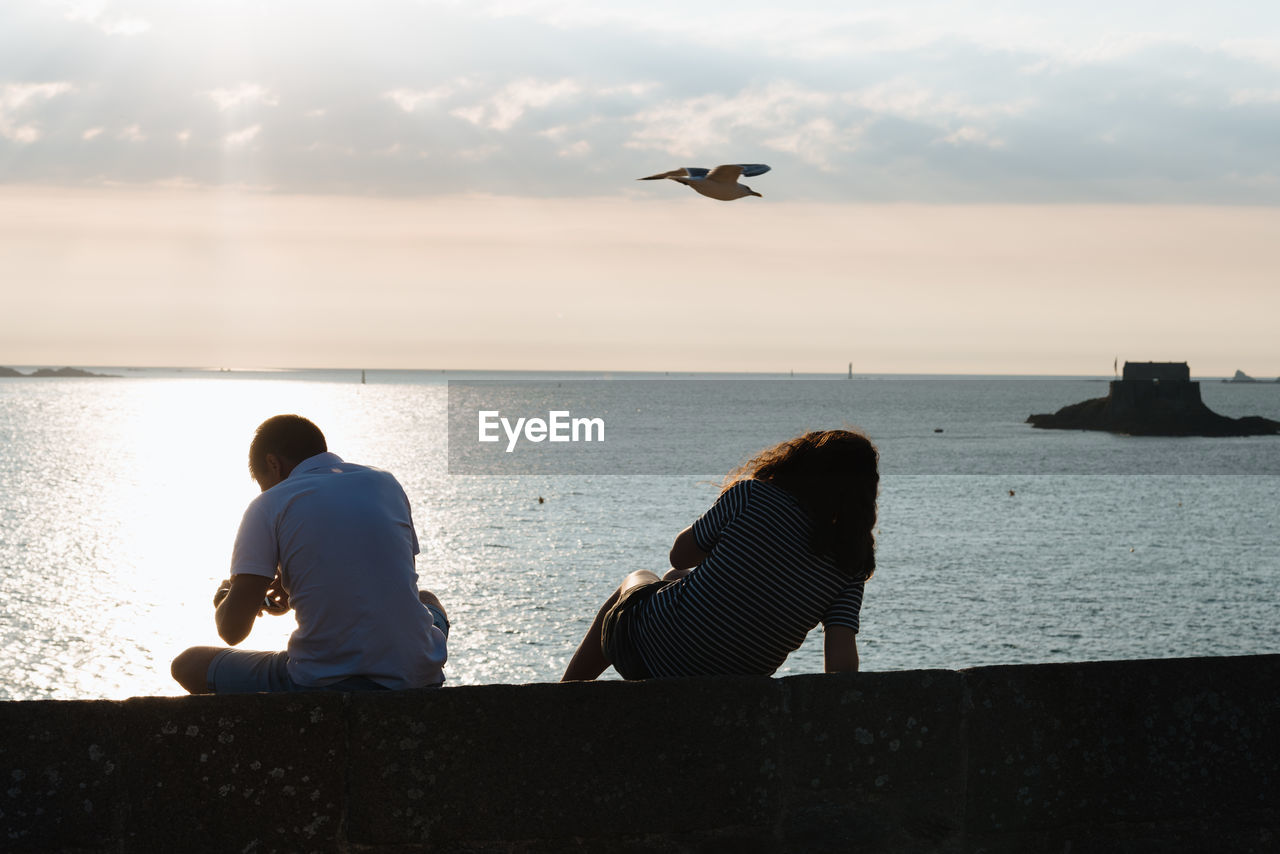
335, 542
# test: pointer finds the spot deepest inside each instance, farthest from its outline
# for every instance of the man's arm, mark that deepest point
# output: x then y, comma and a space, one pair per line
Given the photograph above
840, 649
685, 552
235, 615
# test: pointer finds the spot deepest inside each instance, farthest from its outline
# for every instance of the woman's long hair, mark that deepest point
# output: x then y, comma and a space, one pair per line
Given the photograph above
834, 476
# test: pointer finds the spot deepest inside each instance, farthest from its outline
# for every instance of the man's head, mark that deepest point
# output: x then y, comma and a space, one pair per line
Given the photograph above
279, 444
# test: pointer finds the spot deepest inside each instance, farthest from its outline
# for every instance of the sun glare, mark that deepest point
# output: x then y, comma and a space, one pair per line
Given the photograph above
175, 485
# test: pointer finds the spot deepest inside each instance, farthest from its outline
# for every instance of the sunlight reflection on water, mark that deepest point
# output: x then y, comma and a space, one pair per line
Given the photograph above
119, 501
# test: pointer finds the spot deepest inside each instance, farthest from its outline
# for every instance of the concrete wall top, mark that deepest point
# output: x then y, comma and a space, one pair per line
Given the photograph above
1148, 756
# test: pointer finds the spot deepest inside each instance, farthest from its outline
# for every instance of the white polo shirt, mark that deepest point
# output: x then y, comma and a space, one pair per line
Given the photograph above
343, 537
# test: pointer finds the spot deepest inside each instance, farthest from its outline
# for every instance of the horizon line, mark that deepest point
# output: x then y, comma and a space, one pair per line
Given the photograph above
223, 369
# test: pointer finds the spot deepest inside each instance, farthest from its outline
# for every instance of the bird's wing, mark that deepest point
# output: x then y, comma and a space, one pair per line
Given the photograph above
725, 174
732, 172
674, 173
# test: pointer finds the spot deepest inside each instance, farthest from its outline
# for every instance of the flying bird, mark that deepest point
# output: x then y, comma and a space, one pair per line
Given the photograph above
718, 183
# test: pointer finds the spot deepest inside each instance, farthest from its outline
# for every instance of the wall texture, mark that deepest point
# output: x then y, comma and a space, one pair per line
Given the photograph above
1137, 756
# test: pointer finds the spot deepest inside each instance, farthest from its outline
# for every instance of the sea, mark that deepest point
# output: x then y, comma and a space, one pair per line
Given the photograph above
996, 543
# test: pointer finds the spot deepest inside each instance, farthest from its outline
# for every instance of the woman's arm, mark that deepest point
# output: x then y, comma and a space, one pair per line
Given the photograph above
840, 650
685, 553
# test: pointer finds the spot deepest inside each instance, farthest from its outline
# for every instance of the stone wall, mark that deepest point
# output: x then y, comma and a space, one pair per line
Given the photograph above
1167, 400
1158, 371
1138, 756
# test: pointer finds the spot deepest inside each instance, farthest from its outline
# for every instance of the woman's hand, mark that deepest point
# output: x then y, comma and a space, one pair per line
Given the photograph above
840, 650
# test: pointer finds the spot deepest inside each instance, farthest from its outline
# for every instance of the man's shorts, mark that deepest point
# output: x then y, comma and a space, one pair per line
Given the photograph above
617, 632
243, 671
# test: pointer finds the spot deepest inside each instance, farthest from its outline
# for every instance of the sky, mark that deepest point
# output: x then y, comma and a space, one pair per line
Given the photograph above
956, 187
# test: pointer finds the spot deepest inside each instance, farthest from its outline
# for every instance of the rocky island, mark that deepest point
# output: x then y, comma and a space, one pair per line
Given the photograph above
1242, 377
1153, 399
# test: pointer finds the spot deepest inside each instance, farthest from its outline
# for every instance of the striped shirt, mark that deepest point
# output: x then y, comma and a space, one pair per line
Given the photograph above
755, 597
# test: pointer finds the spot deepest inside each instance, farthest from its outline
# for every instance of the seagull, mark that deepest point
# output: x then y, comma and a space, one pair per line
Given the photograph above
718, 183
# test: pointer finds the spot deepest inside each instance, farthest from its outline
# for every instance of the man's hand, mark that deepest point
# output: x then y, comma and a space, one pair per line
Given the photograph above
275, 602
245, 601
277, 598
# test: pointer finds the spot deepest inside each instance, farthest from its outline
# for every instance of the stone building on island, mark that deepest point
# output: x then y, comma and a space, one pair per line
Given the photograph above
1153, 399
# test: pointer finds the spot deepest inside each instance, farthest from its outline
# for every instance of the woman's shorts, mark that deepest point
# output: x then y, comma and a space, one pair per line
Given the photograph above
617, 632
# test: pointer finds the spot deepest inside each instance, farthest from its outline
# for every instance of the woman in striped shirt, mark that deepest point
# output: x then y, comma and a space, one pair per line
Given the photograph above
788, 544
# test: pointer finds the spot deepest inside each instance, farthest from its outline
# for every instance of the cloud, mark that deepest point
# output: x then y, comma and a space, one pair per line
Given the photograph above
560, 135
242, 137
815, 125
410, 100
817, 141
15, 101
506, 107
97, 15
479, 154
1255, 96
320, 147
131, 133
245, 93
969, 135
904, 98
126, 27
581, 148
23, 133
13, 96
963, 100
632, 90
1265, 51
687, 126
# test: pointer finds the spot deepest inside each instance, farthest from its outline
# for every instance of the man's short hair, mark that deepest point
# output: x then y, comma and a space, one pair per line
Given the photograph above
290, 437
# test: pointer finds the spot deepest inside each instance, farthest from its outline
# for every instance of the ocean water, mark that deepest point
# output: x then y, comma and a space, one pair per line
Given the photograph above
998, 544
